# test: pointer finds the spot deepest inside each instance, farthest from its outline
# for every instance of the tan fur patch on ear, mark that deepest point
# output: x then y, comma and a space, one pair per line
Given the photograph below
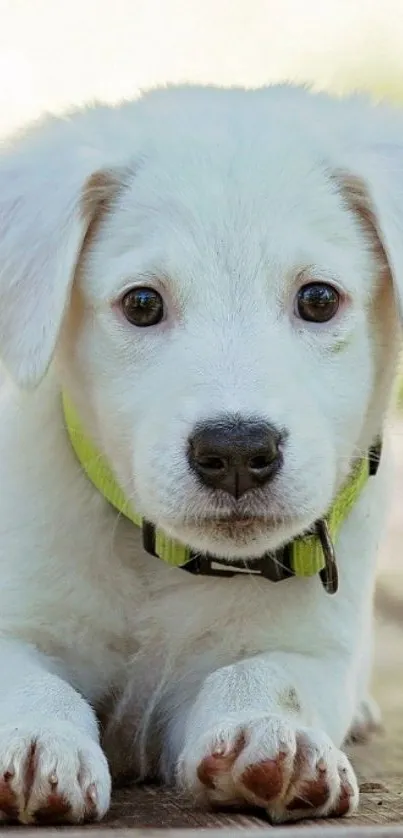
97, 199
98, 193
385, 332
75, 314
356, 196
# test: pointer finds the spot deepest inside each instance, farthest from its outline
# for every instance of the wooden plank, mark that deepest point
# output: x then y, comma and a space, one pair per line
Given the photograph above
265, 832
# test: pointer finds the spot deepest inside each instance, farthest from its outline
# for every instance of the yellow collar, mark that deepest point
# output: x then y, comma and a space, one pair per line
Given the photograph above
306, 555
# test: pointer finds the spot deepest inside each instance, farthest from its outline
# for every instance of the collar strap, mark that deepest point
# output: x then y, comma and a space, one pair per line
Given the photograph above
307, 555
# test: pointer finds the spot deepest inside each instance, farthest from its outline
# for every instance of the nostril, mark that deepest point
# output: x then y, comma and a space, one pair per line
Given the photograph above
262, 461
212, 464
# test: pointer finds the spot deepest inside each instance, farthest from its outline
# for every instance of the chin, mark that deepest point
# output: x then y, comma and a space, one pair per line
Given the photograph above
231, 537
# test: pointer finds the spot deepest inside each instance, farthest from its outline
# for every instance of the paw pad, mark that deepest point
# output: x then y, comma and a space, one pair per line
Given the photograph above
312, 795
265, 779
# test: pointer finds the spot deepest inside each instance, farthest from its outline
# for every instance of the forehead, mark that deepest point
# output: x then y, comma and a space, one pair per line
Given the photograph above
231, 197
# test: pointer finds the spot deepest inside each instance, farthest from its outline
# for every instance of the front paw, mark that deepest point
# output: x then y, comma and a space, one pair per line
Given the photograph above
51, 773
292, 772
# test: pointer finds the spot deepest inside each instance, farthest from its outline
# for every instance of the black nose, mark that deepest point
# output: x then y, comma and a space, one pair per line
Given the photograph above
235, 455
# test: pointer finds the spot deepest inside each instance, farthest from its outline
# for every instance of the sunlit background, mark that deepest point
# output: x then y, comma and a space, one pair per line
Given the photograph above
54, 52
57, 52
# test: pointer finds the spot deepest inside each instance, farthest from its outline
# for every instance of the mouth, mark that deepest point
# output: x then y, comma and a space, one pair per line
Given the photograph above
237, 527
240, 520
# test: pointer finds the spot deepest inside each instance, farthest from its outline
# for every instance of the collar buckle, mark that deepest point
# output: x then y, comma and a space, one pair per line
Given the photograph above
272, 566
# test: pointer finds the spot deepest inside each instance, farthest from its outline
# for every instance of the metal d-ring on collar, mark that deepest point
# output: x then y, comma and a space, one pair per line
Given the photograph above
329, 576
273, 566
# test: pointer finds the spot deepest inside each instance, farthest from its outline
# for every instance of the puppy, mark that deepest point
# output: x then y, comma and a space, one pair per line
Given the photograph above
199, 327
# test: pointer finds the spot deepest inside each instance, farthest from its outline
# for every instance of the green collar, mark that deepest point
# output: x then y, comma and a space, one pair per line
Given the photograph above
306, 555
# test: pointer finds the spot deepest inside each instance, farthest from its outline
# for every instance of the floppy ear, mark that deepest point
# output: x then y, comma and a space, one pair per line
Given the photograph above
372, 184
51, 187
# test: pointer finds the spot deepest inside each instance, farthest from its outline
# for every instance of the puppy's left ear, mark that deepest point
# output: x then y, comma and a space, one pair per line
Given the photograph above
371, 182
53, 182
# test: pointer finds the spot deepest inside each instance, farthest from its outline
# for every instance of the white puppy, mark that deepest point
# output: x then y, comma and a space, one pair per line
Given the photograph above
208, 277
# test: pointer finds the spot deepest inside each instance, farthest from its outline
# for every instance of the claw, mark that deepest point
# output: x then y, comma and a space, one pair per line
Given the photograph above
92, 794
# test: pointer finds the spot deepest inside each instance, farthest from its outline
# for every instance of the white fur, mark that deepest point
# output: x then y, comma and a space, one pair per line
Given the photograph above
225, 201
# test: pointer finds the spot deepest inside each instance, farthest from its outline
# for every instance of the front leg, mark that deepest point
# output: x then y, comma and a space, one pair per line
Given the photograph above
262, 732
52, 768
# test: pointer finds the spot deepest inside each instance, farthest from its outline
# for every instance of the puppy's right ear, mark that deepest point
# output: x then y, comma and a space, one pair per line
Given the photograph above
53, 181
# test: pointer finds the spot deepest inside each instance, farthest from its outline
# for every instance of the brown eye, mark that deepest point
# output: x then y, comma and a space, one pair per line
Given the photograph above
143, 307
317, 302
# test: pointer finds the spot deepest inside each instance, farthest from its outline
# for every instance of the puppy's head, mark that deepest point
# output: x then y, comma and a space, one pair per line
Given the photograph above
213, 276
